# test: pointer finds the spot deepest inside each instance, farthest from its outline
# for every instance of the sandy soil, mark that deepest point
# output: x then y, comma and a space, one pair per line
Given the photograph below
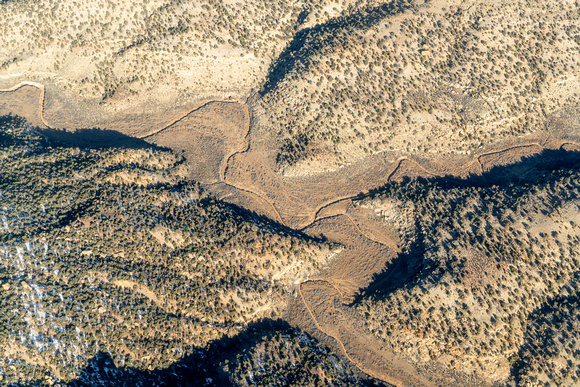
234, 159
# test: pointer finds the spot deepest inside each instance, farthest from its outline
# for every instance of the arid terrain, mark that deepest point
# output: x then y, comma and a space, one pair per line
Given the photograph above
307, 193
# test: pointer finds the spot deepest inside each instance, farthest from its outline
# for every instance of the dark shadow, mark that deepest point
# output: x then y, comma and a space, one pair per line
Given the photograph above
530, 170
397, 273
201, 368
266, 222
79, 138
95, 138
534, 172
6, 139
46, 141
310, 41
542, 328
51, 139
302, 16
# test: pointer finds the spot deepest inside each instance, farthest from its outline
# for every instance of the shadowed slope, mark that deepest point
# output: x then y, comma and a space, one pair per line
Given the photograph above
309, 41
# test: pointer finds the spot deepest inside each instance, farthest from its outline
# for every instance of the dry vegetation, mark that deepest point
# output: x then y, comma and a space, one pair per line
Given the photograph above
482, 276
125, 53
424, 80
435, 141
111, 250
285, 358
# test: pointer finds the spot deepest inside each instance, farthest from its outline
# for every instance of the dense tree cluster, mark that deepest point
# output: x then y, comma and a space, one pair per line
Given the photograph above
109, 250
288, 358
488, 280
421, 79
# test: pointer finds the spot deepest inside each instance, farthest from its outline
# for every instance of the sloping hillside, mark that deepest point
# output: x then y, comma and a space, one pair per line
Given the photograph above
420, 79
487, 283
111, 250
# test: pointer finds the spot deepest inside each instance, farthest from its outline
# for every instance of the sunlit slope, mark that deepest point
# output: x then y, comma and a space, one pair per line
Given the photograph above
163, 51
425, 80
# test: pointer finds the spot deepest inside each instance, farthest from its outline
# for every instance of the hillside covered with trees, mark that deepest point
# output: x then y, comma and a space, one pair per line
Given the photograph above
110, 250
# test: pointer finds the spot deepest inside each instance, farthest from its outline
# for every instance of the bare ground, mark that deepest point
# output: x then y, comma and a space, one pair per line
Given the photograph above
235, 160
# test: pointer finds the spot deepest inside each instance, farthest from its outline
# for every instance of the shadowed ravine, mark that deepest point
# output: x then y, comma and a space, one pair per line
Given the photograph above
368, 261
